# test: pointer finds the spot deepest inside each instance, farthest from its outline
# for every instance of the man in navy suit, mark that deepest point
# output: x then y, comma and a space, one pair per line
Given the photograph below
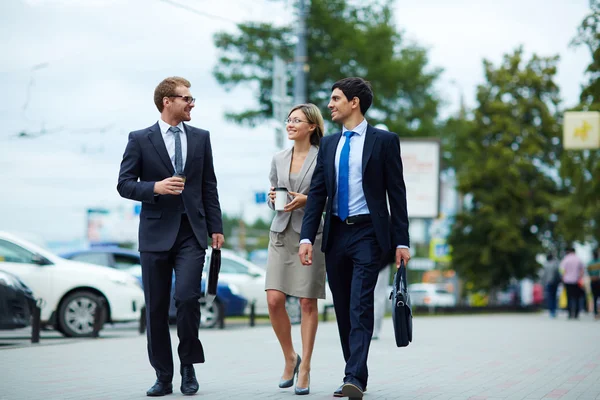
358, 171
169, 168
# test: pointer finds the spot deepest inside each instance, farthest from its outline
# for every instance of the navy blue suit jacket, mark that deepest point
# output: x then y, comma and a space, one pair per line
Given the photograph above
147, 161
382, 174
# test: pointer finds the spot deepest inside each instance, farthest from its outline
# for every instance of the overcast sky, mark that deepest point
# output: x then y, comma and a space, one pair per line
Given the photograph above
85, 71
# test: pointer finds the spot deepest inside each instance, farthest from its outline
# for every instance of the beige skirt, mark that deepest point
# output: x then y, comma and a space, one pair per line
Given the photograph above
286, 273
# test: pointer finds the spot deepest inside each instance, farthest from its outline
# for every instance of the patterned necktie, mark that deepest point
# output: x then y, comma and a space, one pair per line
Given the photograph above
178, 156
344, 178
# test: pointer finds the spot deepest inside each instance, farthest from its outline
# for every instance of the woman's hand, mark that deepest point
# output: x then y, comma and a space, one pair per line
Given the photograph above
298, 202
272, 195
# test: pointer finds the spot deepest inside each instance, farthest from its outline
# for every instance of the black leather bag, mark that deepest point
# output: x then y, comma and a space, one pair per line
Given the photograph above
213, 276
401, 310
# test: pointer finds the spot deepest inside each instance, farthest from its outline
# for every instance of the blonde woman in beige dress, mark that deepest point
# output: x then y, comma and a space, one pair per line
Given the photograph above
293, 169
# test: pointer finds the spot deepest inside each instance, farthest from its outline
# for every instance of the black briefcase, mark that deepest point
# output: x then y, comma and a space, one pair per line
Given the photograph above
213, 276
401, 311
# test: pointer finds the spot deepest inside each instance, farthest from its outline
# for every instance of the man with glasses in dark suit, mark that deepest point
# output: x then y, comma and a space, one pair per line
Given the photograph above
169, 168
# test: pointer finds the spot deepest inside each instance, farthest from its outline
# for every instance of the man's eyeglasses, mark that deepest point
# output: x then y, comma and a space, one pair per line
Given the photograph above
187, 99
294, 121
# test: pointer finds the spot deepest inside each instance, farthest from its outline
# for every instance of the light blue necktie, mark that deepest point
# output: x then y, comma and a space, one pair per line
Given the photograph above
178, 156
344, 178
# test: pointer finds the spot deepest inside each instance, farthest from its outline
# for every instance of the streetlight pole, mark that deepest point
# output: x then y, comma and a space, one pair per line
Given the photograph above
300, 58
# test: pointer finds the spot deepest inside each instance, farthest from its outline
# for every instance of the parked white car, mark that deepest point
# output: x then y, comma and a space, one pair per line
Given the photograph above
250, 279
430, 294
69, 290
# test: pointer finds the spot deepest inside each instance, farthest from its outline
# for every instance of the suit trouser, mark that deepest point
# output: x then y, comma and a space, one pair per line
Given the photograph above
573, 295
353, 262
186, 258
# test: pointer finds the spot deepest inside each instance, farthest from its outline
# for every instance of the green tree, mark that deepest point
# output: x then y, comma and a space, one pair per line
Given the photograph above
580, 169
505, 171
342, 40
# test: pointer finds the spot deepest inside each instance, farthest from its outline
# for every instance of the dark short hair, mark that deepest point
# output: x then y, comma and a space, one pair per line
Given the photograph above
356, 87
570, 250
549, 257
167, 88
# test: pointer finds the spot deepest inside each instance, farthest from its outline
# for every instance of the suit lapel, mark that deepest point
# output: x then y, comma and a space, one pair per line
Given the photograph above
192, 142
157, 141
308, 162
331, 158
370, 139
287, 164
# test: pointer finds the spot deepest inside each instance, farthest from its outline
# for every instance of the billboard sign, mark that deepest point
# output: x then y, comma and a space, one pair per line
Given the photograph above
421, 162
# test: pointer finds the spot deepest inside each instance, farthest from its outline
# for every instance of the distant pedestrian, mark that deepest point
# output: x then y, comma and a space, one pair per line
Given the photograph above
594, 273
551, 279
381, 298
572, 272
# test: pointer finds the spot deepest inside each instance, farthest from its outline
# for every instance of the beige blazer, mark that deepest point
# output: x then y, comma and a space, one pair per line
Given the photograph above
280, 177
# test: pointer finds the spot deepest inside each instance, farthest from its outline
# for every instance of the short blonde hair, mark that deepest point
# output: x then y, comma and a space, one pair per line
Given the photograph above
313, 116
167, 88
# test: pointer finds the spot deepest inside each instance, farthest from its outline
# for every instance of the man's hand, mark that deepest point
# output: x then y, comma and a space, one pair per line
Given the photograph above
298, 202
170, 185
402, 254
217, 240
306, 253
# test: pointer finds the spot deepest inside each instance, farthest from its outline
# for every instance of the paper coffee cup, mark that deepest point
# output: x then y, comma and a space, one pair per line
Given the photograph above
281, 197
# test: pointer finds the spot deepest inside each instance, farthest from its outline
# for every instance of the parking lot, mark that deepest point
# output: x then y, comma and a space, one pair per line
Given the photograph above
514, 356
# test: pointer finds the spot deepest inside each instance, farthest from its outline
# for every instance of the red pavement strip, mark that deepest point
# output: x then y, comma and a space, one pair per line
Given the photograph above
557, 393
508, 384
577, 378
531, 371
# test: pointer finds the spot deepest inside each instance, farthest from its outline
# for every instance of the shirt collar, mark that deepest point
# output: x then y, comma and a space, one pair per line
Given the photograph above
360, 128
164, 127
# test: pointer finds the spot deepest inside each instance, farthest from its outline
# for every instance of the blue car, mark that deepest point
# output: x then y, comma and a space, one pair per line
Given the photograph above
129, 260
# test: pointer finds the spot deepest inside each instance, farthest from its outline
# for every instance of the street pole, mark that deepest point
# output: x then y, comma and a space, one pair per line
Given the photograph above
300, 58
279, 98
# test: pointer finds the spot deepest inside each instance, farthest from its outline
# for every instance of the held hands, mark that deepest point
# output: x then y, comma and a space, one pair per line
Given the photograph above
402, 254
298, 202
306, 253
217, 240
170, 185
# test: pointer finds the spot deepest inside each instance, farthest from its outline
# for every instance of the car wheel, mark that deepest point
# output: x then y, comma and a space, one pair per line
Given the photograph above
76, 314
292, 306
209, 314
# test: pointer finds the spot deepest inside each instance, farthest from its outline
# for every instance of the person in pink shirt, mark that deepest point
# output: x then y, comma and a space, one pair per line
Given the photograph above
572, 271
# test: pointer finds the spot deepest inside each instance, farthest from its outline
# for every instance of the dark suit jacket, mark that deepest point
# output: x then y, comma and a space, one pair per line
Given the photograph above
382, 174
147, 161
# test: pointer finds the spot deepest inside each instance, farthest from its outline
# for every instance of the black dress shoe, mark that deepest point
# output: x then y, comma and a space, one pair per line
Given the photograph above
160, 388
352, 391
338, 391
189, 384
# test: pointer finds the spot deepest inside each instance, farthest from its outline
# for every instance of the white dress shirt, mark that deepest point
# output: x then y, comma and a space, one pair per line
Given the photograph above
356, 196
169, 140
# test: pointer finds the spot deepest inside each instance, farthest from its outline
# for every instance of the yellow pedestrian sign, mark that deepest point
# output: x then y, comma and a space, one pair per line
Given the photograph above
581, 130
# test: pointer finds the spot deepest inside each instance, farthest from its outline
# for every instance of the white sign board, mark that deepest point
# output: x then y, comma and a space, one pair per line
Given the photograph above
421, 162
581, 130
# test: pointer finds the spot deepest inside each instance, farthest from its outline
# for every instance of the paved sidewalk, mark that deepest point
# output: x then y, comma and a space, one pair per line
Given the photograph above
459, 357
